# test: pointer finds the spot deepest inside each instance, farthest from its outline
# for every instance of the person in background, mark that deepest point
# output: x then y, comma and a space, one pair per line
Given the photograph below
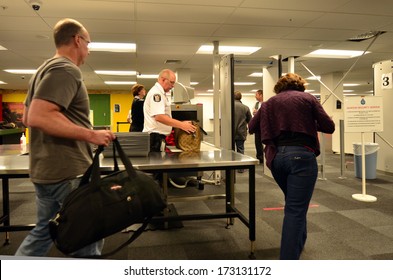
257, 136
289, 123
157, 111
57, 114
137, 117
242, 117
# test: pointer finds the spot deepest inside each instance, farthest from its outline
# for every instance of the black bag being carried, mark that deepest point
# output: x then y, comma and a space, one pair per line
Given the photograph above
100, 207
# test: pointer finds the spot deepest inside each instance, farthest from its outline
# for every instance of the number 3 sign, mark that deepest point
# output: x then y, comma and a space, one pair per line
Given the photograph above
386, 81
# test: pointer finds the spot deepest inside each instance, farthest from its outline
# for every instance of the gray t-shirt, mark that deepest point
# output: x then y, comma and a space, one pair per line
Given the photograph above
54, 159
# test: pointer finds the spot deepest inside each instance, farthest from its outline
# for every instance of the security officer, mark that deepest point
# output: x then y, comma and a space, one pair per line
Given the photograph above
157, 112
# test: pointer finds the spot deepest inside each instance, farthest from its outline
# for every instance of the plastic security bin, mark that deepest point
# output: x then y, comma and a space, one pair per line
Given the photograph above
371, 151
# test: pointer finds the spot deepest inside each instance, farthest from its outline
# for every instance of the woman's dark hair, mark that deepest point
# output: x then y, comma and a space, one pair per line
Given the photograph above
290, 81
136, 89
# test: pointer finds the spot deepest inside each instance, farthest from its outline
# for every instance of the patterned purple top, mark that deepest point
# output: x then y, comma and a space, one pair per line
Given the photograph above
293, 111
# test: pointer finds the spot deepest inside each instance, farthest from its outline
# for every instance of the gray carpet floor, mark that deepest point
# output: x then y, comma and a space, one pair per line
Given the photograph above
339, 227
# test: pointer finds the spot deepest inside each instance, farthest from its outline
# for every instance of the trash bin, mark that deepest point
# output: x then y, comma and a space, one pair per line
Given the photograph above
370, 150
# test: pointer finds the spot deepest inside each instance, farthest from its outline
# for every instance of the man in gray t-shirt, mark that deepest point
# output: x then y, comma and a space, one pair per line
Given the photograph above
57, 114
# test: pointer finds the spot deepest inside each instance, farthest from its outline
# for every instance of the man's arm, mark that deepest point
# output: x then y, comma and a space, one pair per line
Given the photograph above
47, 117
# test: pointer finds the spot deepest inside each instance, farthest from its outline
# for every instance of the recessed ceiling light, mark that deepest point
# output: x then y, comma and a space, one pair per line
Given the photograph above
112, 47
256, 74
2, 83
314, 78
326, 53
351, 85
193, 83
2, 48
244, 83
119, 83
237, 50
116, 73
148, 76
21, 71
172, 61
248, 94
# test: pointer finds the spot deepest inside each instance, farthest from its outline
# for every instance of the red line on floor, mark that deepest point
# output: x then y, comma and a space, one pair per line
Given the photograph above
282, 207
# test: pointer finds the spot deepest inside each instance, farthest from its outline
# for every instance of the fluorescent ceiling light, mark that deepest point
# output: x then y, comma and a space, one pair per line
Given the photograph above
244, 83
194, 83
325, 53
205, 94
119, 83
348, 90
21, 71
148, 76
309, 90
351, 85
256, 74
112, 47
2, 48
208, 49
248, 94
314, 78
2, 83
116, 73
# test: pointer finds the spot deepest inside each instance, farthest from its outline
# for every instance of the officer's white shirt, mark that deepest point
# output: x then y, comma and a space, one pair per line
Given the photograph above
156, 103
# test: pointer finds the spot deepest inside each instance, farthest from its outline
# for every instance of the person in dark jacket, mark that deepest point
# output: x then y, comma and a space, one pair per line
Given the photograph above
137, 117
289, 122
241, 118
257, 136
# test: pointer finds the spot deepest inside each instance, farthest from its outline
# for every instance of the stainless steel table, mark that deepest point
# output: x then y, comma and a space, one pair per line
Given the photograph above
15, 165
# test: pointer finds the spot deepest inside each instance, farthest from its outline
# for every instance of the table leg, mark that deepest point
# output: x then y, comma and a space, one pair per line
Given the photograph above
230, 193
6, 208
251, 194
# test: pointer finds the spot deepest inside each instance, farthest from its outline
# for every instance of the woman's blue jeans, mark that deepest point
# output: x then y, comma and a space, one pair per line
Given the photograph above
49, 198
295, 170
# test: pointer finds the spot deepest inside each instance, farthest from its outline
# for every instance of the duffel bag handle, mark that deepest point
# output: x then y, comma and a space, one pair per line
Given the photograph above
93, 173
124, 158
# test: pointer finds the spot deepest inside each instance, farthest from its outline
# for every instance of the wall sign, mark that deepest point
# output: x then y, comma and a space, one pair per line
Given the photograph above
386, 81
363, 114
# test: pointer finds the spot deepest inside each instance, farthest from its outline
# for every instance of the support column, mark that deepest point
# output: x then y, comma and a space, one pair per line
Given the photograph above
216, 94
291, 64
331, 103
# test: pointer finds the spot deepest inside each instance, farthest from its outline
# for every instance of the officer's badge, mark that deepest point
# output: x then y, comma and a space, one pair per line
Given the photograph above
157, 97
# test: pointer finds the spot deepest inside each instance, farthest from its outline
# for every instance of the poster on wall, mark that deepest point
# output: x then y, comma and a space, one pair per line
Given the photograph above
12, 113
363, 114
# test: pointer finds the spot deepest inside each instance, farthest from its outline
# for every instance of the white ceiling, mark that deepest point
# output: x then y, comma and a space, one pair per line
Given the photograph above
175, 29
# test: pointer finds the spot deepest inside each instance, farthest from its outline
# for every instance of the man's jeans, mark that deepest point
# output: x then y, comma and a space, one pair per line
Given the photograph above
49, 198
295, 170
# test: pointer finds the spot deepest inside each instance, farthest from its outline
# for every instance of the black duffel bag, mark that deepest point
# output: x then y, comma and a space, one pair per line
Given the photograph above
102, 206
